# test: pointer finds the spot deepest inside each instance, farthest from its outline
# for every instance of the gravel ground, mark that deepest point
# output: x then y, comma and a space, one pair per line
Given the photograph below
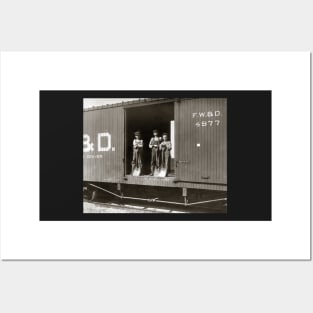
116, 208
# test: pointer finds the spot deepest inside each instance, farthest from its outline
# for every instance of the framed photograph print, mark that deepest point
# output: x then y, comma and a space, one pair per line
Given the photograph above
155, 155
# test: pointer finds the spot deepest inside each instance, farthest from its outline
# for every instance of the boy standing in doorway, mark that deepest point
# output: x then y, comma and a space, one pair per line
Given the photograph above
137, 151
165, 147
154, 146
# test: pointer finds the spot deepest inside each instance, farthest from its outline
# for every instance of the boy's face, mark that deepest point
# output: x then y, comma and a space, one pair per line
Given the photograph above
164, 137
155, 134
137, 137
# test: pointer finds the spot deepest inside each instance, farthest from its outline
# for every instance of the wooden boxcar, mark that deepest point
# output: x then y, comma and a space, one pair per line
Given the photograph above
197, 128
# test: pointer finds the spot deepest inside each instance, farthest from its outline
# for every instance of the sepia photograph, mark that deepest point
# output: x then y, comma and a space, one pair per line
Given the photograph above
155, 155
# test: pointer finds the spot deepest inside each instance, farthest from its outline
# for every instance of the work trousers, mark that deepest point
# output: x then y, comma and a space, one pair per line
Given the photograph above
164, 158
137, 157
154, 157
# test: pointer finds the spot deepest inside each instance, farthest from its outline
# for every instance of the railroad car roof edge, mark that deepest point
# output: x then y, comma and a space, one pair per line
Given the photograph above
141, 101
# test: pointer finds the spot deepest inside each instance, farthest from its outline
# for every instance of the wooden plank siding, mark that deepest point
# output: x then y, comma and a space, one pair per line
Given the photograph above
108, 166
201, 140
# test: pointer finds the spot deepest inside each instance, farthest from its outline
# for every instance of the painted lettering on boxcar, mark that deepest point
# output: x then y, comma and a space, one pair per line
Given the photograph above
207, 118
103, 143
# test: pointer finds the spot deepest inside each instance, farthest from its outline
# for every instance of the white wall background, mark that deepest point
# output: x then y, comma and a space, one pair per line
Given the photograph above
156, 286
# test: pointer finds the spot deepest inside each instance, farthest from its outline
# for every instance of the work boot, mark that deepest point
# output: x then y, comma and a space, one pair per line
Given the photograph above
152, 171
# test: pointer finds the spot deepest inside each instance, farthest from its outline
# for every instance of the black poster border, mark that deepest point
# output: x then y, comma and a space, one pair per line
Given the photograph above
249, 155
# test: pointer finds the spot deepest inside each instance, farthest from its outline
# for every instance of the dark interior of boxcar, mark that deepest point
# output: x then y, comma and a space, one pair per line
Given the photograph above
145, 119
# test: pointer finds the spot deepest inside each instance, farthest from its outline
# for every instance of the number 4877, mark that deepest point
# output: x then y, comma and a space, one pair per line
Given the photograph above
208, 123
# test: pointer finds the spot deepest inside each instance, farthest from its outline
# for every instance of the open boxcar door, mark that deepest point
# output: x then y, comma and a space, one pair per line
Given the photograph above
103, 144
201, 140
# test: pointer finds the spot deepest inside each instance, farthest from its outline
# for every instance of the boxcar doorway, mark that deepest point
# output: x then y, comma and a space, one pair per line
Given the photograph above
145, 118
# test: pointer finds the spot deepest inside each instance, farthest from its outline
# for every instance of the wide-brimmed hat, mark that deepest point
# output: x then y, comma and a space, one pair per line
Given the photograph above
165, 134
137, 133
155, 131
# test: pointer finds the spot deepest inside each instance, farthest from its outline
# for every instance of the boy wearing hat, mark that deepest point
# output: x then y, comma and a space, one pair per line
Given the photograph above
165, 147
137, 151
154, 146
